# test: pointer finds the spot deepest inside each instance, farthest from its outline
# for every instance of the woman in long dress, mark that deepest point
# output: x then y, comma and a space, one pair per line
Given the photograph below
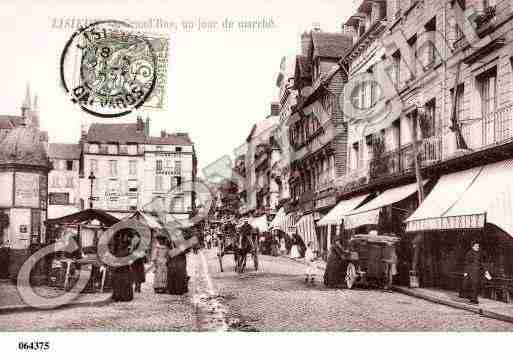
122, 275
159, 258
336, 267
294, 251
177, 278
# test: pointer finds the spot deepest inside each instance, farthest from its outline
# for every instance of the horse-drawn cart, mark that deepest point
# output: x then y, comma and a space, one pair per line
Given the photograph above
240, 244
369, 259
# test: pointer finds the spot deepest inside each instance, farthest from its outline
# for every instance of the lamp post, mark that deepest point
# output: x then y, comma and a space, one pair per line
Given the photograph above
91, 178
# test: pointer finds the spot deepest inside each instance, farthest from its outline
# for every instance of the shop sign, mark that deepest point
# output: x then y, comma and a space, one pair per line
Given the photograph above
27, 190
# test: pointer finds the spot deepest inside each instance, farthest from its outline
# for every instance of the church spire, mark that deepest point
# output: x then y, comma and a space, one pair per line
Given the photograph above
35, 105
25, 107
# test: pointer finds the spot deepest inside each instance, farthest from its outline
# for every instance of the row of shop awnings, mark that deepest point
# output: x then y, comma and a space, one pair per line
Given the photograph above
462, 200
353, 214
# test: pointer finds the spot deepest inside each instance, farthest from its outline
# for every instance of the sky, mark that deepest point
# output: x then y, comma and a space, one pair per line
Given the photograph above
219, 83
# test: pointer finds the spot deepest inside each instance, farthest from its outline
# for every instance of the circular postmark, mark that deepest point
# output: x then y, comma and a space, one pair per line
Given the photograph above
107, 69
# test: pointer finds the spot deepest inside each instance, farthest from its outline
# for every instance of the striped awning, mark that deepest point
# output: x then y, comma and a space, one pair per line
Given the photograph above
337, 214
280, 216
369, 212
305, 228
467, 200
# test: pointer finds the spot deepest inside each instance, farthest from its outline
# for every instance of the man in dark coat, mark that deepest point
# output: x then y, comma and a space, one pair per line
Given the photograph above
336, 267
472, 274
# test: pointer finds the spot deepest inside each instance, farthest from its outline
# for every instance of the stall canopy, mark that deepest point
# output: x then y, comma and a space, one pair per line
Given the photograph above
83, 216
369, 212
337, 214
467, 200
259, 223
305, 228
280, 216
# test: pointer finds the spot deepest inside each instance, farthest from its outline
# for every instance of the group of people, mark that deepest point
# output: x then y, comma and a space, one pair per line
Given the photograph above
127, 278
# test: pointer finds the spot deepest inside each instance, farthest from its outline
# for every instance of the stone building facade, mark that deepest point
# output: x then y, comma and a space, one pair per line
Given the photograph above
64, 180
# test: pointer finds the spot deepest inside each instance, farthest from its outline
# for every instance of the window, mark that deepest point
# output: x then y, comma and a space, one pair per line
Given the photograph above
69, 165
488, 91
132, 167
178, 149
356, 156
93, 164
132, 185
158, 165
113, 149
69, 182
93, 148
396, 68
427, 126
413, 54
58, 198
132, 149
113, 168
54, 181
429, 47
158, 183
178, 168
160, 148
177, 183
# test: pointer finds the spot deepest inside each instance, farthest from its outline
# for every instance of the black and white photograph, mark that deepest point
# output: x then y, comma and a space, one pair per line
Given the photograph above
240, 168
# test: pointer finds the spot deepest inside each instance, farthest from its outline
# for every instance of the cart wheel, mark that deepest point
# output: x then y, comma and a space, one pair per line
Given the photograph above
350, 275
255, 261
220, 262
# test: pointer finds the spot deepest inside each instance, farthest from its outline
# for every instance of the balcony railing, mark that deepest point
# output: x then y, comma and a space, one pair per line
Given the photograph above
494, 129
402, 160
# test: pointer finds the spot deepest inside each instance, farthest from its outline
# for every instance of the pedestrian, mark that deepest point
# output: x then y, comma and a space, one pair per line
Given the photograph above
335, 272
122, 290
159, 258
137, 267
283, 247
177, 278
472, 274
390, 262
309, 258
294, 250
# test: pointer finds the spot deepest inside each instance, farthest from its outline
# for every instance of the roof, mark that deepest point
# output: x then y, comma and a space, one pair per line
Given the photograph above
23, 146
303, 67
327, 44
115, 132
171, 139
263, 128
65, 151
83, 216
7, 121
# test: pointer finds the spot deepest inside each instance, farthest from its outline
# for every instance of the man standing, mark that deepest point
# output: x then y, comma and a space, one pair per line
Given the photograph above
472, 274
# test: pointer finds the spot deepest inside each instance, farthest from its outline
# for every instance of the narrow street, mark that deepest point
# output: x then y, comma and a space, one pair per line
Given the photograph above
273, 299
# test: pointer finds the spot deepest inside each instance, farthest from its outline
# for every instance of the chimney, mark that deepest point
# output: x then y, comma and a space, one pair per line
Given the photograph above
34, 113
275, 108
163, 134
147, 126
25, 107
140, 124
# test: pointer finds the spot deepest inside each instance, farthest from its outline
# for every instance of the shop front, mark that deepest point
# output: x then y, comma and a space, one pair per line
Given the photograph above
465, 206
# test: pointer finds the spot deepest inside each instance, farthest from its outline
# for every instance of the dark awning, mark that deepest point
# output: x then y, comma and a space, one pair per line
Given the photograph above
83, 216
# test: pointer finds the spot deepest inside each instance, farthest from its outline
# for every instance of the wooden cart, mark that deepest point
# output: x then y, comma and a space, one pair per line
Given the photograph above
229, 244
367, 257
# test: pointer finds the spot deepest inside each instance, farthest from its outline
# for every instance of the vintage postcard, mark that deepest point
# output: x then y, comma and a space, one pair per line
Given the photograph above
236, 166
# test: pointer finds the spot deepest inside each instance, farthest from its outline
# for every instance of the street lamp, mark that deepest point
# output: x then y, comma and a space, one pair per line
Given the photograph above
91, 178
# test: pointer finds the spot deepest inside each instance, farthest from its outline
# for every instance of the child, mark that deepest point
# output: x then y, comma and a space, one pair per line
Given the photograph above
309, 258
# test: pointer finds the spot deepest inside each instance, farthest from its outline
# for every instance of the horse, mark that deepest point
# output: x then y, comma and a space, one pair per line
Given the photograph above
243, 246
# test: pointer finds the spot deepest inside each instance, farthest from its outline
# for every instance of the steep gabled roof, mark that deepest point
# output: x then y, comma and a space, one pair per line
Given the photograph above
115, 132
64, 151
332, 45
171, 139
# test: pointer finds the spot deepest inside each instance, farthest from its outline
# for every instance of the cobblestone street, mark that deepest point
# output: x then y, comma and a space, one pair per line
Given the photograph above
273, 299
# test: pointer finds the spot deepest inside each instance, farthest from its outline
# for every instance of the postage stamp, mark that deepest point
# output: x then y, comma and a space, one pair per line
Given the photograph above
108, 69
